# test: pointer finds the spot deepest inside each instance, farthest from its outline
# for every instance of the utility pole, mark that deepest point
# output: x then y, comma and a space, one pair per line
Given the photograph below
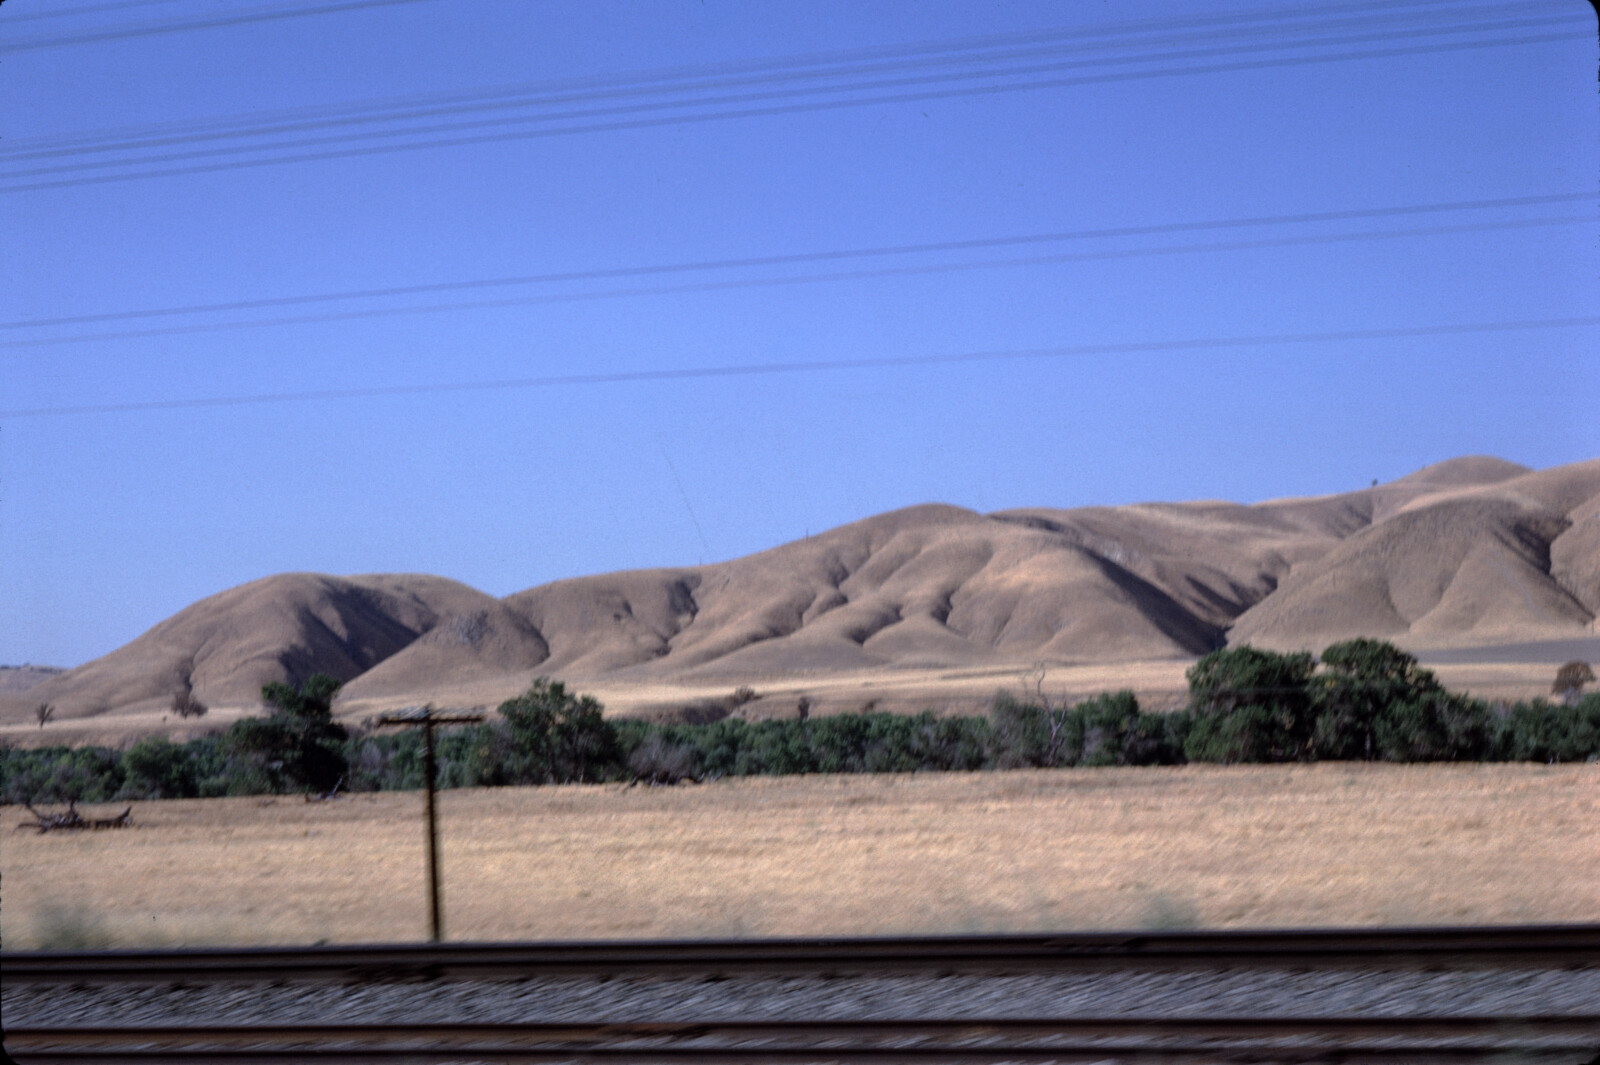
427, 717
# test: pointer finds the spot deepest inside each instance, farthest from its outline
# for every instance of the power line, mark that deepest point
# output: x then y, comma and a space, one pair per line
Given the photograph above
982, 243
592, 113
836, 276
718, 76
818, 366
682, 73
681, 118
79, 10
673, 105
183, 25
1280, 14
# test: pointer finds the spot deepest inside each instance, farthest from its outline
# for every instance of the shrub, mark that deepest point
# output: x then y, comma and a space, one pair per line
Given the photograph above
298, 743
60, 774
781, 748
938, 743
1363, 685
1156, 739
557, 737
1022, 733
658, 760
1541, 731
1238, 713
156, 768
1108, 720
1439, 726
1249, 705
844, 743
1108, 729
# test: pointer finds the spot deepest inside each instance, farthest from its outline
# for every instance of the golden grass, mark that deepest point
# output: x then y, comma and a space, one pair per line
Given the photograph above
1159, 684
1331, 844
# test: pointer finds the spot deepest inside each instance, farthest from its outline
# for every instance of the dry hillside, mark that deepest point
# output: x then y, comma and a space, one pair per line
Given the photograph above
224, 648
14, 679
1467, 553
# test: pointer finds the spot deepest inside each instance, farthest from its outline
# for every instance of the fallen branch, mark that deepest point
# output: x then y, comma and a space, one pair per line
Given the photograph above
122, 820
71, 820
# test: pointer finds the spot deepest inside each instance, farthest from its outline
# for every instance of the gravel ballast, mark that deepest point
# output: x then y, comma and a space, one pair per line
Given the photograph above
1186, 993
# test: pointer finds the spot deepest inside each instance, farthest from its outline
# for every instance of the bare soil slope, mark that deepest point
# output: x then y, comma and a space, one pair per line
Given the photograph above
1467, 553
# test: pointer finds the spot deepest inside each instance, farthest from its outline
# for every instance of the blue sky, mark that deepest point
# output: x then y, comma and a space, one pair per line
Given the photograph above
1030, 126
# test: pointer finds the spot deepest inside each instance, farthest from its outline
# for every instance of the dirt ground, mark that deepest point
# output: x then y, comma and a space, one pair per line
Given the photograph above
1207, 846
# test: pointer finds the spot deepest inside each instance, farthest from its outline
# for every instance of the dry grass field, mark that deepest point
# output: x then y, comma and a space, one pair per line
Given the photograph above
1330, 844
1159, 685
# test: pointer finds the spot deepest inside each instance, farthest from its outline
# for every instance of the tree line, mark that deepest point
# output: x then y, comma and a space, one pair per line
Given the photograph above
1362, 700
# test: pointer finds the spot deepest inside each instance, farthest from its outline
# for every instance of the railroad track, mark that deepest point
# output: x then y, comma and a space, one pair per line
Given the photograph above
829, 1000
1564, 945
1231, 1039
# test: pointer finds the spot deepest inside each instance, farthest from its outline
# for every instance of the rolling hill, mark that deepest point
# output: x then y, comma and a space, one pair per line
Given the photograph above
1469, 552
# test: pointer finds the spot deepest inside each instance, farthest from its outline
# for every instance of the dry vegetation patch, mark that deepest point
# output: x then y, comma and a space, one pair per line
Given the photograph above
1329, 844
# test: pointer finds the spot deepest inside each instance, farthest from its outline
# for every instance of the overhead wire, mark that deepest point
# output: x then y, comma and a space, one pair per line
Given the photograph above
272, 14
77, 10
815, 278
750, 112
635, 108
745, 262
233, 130
377, 114
1279, 13
660, 75
816, 366
384, 108
852, 62
736, 105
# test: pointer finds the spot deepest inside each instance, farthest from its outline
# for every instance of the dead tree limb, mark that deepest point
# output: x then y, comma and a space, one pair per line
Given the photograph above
71, 820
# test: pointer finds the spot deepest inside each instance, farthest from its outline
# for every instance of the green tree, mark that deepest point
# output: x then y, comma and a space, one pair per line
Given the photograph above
1250, 705
1023, 732
1362, 685
1109, 721
157, 768
1541, 731
558, 737
298, 743
1435, 726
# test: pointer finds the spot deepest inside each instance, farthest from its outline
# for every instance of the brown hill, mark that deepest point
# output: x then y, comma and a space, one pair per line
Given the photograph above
15, 679
938, 586
926, 586
1511, 561
1469, 552
281, 628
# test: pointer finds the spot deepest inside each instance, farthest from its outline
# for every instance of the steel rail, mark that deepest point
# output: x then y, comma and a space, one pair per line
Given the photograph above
1538, 946
1300, 1039
1585, 1027
1210, 1055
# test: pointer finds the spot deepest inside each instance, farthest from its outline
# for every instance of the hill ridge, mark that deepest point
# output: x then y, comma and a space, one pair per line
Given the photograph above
1470, 550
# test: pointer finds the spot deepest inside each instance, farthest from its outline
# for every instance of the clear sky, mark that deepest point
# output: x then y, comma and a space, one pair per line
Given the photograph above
923, 180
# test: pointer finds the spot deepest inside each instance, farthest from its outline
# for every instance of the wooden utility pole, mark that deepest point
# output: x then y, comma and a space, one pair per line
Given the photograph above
427, 717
